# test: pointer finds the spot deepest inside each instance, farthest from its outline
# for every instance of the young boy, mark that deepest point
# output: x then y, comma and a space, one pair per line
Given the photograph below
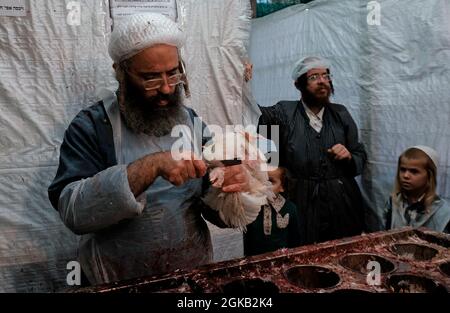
277, 225
414, 201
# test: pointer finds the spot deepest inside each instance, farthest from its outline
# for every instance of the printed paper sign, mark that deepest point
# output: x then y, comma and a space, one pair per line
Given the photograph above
120, 9
12, 8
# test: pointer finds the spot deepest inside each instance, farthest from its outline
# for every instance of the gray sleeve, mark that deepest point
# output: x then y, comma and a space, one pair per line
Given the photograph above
272, 115
94, 203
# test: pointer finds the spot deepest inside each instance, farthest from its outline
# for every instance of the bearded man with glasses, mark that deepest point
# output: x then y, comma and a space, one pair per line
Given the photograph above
137, 207
320, 148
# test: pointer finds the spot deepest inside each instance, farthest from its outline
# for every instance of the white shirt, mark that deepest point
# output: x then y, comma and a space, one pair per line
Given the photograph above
315, 120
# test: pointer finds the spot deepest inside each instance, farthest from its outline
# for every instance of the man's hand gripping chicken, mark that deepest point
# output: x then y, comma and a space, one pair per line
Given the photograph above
237, 209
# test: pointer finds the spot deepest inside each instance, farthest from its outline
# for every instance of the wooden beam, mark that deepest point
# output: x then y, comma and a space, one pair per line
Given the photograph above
253, 5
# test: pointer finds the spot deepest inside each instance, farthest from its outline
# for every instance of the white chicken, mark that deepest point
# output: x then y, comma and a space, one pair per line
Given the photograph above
237, 209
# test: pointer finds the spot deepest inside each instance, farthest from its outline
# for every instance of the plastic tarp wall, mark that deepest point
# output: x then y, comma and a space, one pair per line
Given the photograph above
218, 36
392, 77
51, 67
49, 71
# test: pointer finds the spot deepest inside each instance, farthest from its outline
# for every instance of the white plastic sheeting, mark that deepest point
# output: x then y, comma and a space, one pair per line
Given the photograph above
218, 33
54, 62
49, 71
392, 77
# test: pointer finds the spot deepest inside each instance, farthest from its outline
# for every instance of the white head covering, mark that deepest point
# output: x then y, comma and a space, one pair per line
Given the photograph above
139, 31
430, 152
307, 63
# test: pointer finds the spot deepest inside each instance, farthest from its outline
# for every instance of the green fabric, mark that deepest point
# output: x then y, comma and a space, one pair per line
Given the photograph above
263, 9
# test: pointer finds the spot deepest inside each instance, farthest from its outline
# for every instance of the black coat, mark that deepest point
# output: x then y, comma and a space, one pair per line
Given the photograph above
325, 191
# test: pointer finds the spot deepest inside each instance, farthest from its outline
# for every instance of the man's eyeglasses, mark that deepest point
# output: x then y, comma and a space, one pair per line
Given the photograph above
173, 80
315, 77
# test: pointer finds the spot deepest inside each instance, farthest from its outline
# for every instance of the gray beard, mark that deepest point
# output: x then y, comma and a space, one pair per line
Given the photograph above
150, 119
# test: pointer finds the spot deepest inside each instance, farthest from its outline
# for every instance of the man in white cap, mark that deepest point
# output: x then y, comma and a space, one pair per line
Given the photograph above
138, 208
319, 146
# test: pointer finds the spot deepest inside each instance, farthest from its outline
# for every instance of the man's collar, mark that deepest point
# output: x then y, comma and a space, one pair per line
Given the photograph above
309, 112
